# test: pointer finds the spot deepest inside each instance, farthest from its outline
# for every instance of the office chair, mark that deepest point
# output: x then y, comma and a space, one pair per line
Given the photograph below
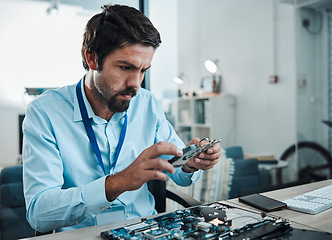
247, 177
234, 152
13, 223
161, 193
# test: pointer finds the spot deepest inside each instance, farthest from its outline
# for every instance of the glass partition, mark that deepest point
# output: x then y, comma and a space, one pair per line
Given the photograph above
313, 92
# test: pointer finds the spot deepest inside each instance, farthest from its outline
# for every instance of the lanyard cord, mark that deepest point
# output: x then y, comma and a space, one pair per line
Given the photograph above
90, 132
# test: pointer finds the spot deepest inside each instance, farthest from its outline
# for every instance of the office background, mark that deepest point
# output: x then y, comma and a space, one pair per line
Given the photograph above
252, 40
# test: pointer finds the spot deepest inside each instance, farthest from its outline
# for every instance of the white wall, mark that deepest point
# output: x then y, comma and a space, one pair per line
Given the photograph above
240, 34
163, 15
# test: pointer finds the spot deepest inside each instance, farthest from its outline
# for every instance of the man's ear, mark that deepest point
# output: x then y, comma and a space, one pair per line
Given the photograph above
91, 59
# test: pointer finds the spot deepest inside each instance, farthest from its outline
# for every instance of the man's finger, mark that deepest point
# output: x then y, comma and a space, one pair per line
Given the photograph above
162, 148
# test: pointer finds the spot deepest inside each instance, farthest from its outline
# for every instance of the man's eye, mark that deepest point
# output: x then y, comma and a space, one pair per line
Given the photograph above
124, 68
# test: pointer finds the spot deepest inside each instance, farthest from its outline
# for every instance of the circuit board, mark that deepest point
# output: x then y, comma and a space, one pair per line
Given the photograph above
192, 151
202, 222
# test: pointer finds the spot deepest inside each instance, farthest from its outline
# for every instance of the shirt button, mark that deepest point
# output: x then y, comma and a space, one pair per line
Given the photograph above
113, 150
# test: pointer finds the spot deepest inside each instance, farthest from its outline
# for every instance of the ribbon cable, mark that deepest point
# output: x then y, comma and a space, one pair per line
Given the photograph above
90, 132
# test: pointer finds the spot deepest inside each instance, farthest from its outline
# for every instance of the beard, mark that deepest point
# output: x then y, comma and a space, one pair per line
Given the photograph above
115, 105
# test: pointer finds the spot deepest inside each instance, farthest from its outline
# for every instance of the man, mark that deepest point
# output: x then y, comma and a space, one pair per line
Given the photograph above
90, 148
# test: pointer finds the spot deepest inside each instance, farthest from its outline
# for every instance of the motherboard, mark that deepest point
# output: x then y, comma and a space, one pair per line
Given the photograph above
210, 221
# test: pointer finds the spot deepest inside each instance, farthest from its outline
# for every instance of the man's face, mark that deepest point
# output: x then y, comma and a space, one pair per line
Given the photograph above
122, 74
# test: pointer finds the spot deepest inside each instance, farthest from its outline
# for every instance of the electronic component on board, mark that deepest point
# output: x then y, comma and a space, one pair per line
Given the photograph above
208, 221
192, 151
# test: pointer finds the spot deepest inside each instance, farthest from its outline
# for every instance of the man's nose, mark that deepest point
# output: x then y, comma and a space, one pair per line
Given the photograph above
135, 79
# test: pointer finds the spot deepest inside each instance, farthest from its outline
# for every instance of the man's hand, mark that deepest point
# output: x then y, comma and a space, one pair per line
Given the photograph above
205, 160
147, 166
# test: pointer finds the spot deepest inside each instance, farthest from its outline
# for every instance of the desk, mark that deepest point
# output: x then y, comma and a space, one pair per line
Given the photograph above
271, 166
319, 222
277, 167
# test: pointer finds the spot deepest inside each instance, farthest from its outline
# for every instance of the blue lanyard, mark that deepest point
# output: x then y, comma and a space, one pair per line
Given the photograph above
91, 133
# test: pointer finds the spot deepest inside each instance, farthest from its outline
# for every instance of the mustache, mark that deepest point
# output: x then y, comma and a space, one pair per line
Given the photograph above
128, 91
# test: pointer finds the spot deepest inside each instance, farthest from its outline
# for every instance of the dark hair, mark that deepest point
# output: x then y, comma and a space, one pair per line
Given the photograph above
115, 27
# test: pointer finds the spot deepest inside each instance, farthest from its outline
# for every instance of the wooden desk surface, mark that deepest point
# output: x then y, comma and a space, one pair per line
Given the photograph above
91, 233
320, 222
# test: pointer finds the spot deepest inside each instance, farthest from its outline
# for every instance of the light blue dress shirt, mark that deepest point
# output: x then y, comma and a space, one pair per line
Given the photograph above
64, 184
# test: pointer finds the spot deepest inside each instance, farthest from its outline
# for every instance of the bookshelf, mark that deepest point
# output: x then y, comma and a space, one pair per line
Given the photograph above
211, 116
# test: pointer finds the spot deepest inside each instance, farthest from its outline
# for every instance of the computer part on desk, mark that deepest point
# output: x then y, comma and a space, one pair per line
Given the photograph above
312, 202
210, 221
